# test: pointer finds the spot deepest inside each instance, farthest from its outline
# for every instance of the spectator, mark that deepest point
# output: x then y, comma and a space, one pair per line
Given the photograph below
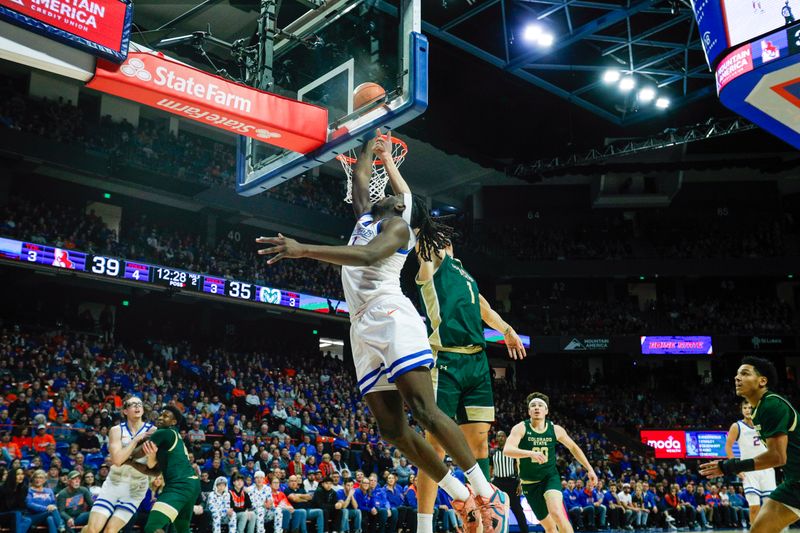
13, 499
444, 506
41, 503
406, 516
625, 500
261, 497
387, 520
350, 512
42, 439
219, 506
301, 500
74, 502
573, 504
325, 499
242, 506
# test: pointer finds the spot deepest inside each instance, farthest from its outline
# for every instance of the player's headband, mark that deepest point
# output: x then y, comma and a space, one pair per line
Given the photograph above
537, 400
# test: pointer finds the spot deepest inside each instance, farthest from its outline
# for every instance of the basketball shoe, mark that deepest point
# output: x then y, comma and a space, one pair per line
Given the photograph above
494, 511
469, 513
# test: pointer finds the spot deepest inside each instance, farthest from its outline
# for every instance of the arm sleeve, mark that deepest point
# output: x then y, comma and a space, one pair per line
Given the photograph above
776, 418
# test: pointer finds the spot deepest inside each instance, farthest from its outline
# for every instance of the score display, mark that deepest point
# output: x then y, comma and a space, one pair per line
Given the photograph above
145, 273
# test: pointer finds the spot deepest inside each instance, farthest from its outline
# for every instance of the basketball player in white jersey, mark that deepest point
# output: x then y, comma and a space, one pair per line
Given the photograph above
758, 483
390, 343
125, 487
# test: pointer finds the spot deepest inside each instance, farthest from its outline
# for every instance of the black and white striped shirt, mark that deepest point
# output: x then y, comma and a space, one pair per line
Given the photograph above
503, 466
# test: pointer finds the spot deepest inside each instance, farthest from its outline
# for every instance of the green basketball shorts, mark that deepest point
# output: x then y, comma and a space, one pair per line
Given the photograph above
535, 491
463, 386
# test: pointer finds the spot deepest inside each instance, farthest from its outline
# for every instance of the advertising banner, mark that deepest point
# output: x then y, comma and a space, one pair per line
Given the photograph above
171, 86
676, 345
99, 27
668, 444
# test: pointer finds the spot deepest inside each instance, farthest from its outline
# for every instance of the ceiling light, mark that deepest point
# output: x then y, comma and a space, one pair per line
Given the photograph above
627, 83
647, 94
546, 39
532, 32
662, 103
611, 76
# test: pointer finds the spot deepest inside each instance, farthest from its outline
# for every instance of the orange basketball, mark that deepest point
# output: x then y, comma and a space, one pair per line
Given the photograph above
366, 93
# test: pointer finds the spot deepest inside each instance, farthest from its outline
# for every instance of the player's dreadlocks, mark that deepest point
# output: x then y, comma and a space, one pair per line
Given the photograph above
432, 235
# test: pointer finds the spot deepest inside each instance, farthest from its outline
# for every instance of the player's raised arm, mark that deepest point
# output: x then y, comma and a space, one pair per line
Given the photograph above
383, 149
516, 350
362, 172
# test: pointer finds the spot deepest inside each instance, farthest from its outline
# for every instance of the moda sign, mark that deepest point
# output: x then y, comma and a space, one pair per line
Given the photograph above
100, 27
668, 444
165, 84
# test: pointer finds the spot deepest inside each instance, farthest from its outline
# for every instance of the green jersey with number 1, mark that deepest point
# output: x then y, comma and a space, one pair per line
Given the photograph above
452, 308
544, 443
173, 459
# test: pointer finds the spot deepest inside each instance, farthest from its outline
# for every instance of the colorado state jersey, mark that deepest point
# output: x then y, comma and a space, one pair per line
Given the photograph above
773, 416
750, 444
364, 283
173, 459
452, 307
545, 443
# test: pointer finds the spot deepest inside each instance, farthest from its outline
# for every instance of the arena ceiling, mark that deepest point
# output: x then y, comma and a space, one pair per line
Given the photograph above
495, 97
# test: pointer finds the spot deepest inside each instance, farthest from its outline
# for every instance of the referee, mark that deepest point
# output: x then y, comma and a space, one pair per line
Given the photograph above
506, 478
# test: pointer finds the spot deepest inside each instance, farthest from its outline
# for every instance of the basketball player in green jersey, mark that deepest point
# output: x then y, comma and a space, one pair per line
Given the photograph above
455, 312
533, 443
776, 421
166, 455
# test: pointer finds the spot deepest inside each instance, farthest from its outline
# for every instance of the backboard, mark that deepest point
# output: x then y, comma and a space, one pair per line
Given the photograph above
320, 58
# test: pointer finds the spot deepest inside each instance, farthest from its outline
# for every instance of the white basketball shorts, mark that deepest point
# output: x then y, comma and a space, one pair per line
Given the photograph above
388, 339
120, 496
758, 484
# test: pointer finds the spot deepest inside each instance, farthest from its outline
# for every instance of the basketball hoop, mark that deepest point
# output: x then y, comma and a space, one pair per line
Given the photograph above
379, 179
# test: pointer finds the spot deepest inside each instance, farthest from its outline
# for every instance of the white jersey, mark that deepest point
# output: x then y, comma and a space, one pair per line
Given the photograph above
126, 437
365, 283
750, 444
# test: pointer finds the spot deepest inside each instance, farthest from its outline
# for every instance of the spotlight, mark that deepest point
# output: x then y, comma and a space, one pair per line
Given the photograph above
627, 83
532, 32
647, 94
662, 103
611, 76
546, 39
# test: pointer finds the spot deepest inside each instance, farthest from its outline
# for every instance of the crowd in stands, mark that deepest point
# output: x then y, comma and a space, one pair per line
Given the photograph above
72, 228
152, 147
729, 315
248, 414
647, 236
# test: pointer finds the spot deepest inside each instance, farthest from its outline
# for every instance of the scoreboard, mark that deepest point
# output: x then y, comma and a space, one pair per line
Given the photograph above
149, 274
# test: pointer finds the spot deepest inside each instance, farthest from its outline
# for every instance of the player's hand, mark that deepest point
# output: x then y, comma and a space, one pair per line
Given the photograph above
519, 489
711, 469
538, 457
150, 449
71, 522
516, 350
592, 479
383, 146
284, 248
740, 475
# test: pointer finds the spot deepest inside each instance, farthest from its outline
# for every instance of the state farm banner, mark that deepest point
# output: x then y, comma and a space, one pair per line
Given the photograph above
99, 27
165, 84
668, 444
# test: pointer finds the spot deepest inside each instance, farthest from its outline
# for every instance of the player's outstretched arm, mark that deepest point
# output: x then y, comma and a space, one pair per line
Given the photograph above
393, 236
362, 173
733, 435
383, 149
575, 450
774, 457
516, 350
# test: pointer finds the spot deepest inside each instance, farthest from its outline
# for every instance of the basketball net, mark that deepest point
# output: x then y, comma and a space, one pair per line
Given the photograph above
379, 179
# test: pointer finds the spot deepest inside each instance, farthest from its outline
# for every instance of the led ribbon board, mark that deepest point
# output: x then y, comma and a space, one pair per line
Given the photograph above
99, 27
